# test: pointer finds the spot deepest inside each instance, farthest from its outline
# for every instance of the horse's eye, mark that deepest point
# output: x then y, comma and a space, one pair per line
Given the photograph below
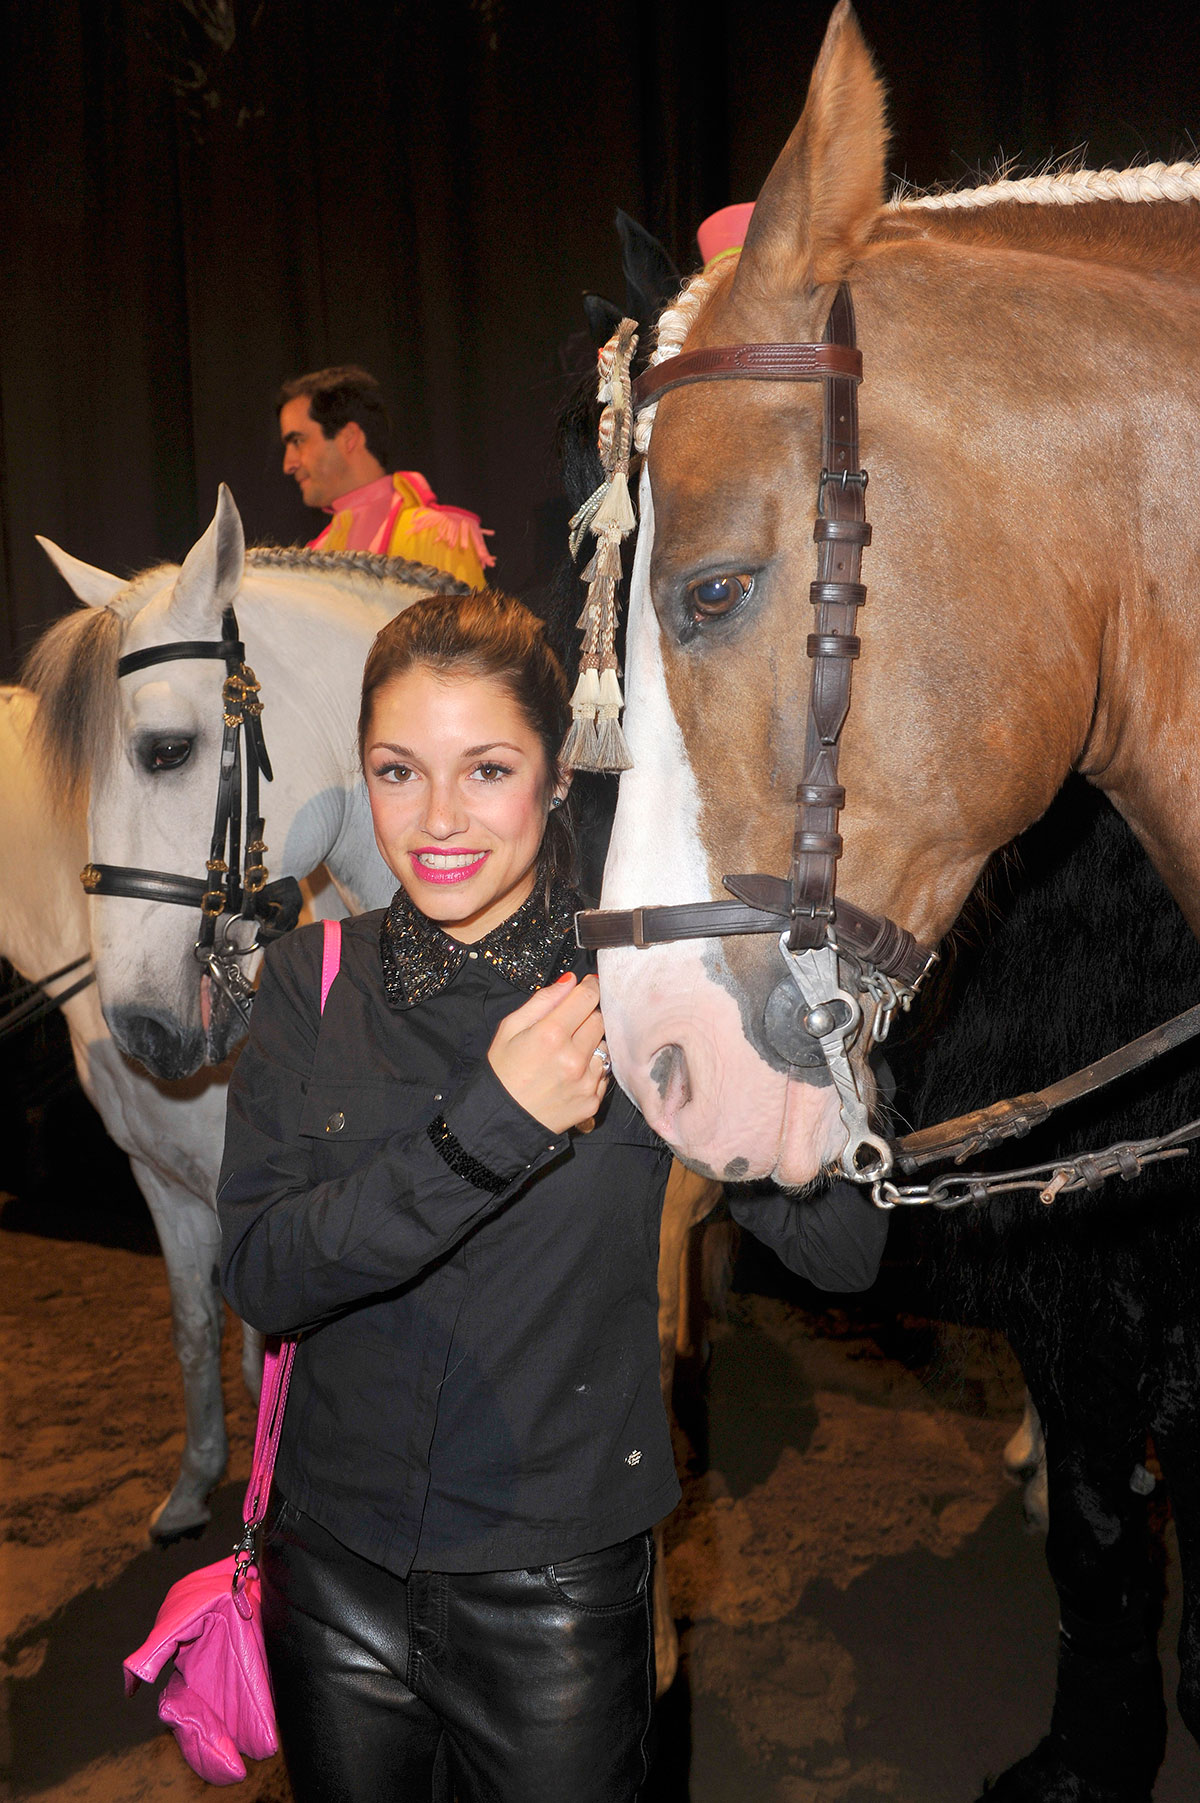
166, 754
717, 596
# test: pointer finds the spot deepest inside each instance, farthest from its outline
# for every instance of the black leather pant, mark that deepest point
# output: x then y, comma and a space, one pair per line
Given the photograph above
491, 1687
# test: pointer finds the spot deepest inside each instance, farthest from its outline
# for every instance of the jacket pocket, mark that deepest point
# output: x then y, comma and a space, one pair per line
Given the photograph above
337, 1112
617, 1577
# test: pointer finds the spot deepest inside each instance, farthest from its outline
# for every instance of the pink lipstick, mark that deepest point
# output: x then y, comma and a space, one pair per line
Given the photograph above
434, 864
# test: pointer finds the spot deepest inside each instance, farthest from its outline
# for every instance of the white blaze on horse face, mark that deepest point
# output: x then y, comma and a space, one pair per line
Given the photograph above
674, 1030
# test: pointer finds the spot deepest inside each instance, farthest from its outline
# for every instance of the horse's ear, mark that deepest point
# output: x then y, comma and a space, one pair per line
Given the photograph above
95, 588
822, 198
651, 278
211, 573
603, 317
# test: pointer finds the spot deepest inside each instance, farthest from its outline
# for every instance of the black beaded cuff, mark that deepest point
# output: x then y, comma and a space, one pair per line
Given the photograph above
453, 1153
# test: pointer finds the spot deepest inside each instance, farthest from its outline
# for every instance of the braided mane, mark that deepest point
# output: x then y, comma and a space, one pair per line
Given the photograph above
73, 667
1067, 188
373, 564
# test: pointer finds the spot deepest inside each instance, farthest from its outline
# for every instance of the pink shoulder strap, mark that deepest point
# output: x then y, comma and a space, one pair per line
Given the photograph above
331, 957
280, 1354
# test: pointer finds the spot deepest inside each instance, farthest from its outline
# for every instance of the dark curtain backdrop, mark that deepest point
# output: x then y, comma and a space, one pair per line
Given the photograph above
204, 197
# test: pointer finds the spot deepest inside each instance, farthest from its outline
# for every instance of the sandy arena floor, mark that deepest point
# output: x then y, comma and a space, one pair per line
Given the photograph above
864, 1617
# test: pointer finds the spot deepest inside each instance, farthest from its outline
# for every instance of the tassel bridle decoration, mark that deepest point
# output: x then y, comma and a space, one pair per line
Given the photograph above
595, 740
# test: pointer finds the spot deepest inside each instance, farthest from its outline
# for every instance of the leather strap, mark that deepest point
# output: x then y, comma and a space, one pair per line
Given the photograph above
278, 1358
969, 1134
331, 957
229, 650
877, 942
277, 907
143, 885
751, 362
840, 532
35, 985
31, 1004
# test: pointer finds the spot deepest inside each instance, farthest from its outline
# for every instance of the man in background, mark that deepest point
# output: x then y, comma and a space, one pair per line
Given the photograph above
335, 432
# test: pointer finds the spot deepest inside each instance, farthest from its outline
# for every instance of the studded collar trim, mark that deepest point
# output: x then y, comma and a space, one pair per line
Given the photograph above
530, 949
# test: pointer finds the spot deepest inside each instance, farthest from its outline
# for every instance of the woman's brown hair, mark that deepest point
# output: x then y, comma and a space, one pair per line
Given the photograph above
485, 634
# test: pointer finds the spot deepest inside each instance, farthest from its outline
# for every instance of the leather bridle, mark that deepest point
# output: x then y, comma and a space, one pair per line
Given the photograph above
236, 886
814, 928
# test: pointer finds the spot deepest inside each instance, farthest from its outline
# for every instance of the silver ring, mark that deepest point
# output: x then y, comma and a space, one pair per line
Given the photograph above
601, 1052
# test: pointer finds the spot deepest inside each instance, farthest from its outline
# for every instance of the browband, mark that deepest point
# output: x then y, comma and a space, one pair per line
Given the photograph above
752, 362
228, 650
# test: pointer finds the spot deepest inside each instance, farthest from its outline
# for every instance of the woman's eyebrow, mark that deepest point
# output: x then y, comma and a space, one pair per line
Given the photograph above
471, 751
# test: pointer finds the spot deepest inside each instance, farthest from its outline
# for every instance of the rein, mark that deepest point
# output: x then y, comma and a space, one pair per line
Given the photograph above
810, 1018
236, 886
27, 1002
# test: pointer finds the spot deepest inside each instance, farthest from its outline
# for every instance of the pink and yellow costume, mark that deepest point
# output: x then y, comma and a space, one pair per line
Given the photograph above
401, 516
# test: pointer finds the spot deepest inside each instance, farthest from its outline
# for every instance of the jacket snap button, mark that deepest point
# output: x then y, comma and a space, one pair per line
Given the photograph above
335, 1123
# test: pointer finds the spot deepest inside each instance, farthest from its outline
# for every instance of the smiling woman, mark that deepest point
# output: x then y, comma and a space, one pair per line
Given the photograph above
456, 1567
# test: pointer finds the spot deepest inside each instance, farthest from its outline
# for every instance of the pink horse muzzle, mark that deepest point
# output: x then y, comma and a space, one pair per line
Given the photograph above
679, 1048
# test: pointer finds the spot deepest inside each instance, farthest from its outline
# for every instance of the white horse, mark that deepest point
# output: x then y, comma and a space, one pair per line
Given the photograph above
171, 1133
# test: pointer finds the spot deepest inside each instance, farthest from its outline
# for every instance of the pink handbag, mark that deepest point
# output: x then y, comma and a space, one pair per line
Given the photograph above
217, 1701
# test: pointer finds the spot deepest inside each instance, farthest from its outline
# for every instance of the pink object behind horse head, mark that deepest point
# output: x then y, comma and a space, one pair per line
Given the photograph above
725, 230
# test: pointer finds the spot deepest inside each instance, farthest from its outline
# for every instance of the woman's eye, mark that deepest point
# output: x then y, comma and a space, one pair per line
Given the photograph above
492, 773
166, 754
717, 596
393, 773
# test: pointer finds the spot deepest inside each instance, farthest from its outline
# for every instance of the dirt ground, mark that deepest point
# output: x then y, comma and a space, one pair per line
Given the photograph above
863, 1616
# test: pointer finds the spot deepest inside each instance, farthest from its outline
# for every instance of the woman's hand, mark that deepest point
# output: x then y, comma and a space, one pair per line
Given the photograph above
544, 1053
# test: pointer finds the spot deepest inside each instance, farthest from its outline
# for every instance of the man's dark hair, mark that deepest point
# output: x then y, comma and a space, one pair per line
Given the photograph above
337, 396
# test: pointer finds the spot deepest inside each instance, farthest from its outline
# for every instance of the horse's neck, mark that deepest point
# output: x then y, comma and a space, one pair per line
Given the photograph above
362, 878
1080, 458
311, 677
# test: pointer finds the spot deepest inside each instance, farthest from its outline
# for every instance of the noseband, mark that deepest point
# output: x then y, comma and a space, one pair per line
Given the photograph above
236, 886
810, 1009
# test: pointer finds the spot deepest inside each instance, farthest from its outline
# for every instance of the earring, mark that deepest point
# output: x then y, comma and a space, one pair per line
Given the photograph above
556, 801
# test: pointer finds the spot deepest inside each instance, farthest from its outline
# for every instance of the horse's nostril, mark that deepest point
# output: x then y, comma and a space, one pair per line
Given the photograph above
669, 1075
158, 1042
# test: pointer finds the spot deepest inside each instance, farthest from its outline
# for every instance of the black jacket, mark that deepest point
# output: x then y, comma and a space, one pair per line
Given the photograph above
476, 1386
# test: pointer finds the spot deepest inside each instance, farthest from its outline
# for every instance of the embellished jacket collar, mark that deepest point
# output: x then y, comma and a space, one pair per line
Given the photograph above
529, 949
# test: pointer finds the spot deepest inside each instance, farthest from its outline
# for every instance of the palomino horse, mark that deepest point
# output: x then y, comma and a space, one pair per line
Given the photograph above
148, 746
1028, 422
